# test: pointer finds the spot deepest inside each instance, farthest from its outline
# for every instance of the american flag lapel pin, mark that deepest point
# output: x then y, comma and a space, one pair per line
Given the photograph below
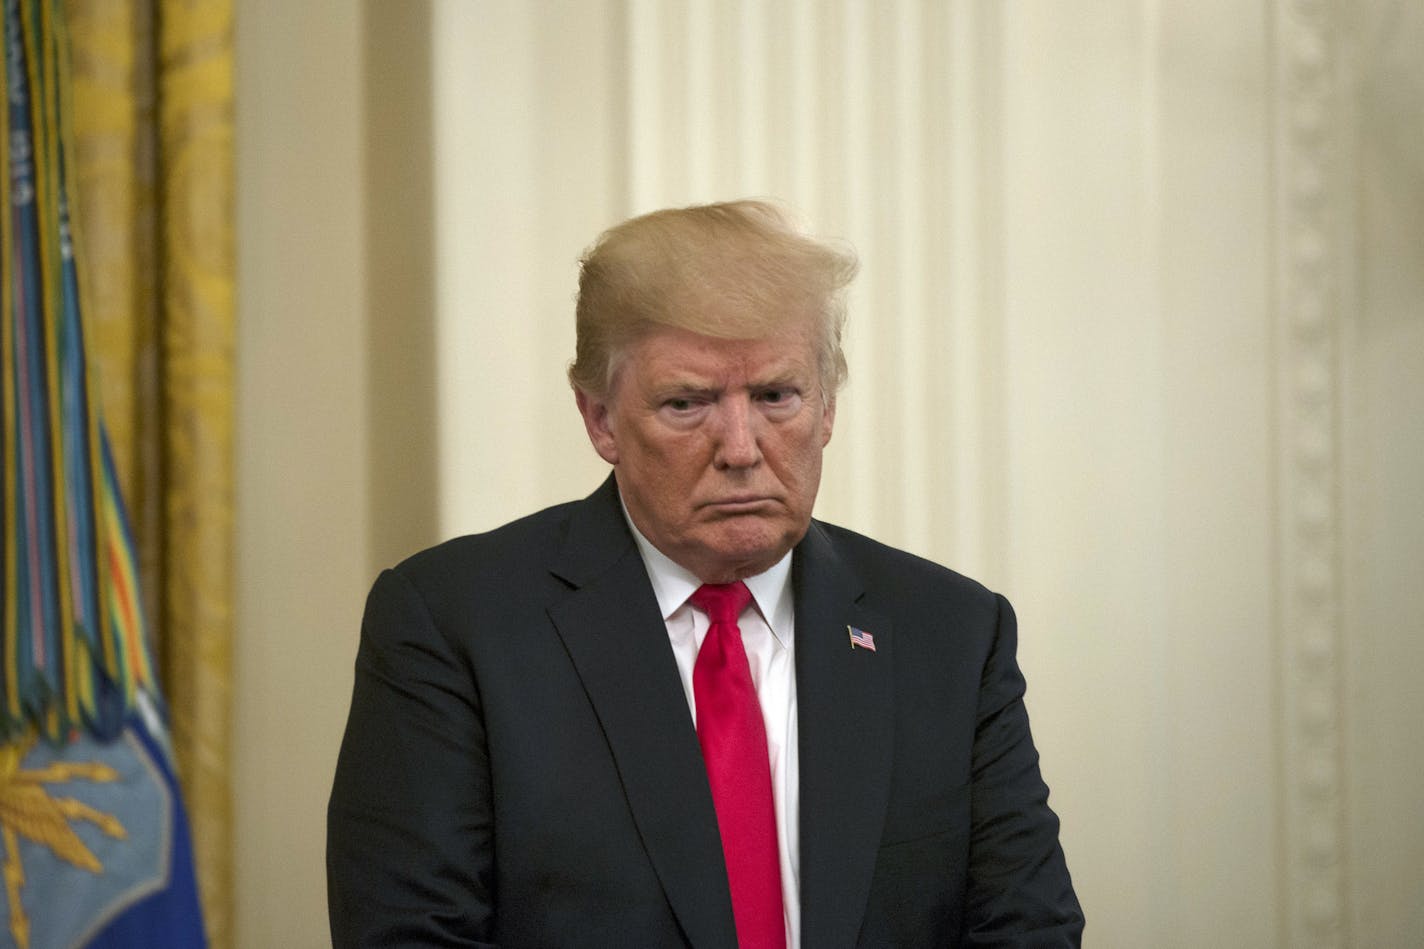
859, 637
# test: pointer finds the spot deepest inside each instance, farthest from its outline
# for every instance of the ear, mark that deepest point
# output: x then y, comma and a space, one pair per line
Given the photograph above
597, 421
828, 420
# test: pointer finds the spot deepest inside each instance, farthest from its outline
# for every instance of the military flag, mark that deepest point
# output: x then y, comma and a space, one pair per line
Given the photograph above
94, 844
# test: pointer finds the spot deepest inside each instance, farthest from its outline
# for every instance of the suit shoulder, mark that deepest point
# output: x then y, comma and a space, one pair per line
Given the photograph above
891, 569
508, 550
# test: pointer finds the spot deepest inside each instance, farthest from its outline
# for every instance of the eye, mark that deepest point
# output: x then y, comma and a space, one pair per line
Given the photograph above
682, 408
684, 403
780, 401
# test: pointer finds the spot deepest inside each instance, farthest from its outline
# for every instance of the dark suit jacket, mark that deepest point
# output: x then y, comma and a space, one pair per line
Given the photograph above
520, 766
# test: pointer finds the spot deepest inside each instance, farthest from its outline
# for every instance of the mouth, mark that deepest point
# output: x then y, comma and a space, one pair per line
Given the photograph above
740, 504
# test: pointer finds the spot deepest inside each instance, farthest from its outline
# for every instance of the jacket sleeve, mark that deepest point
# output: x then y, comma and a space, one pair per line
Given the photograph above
409, 827
1019, 890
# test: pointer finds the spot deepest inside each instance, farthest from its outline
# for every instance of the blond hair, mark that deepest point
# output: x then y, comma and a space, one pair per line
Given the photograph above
737, 270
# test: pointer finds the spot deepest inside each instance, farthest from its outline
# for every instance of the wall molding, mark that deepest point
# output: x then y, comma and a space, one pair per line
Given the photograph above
1312, 278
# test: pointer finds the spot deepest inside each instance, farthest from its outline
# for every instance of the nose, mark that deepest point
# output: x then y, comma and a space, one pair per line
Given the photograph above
737, 446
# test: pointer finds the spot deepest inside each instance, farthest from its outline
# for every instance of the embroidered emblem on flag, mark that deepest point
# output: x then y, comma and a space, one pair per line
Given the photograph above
859, 637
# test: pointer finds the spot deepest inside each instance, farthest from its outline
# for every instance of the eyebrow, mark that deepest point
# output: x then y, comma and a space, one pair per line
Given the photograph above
688, 387
685, 385
781, 377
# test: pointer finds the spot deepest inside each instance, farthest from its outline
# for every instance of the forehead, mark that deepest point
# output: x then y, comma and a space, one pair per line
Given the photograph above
669, 354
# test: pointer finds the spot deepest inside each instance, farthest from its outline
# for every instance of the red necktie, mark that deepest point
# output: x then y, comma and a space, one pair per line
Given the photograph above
733, 739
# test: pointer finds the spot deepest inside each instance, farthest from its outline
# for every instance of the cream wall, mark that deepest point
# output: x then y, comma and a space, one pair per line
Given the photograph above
1137, 341
304, 470
1382, 549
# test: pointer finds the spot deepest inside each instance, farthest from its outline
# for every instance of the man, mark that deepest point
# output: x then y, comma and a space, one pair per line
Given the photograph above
680, 712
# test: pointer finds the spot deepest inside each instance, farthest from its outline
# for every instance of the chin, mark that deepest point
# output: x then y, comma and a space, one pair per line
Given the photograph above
759, 548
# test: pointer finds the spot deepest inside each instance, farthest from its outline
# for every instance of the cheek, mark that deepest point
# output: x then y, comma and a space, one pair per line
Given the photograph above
811, 478
803, 465
661, 453
668, 467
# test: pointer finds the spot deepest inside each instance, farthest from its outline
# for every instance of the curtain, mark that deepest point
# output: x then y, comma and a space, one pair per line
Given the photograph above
153, 129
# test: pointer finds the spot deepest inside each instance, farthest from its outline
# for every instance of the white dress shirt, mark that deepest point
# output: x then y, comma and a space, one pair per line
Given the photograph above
767, 637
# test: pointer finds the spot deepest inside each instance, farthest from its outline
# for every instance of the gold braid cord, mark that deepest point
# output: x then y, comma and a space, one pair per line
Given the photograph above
153, 123
195, 123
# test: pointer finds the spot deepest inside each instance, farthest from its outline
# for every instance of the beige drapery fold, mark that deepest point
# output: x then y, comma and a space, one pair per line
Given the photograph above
153, 122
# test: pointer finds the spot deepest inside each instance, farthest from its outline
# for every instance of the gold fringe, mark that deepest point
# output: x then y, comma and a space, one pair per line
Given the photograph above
162, 309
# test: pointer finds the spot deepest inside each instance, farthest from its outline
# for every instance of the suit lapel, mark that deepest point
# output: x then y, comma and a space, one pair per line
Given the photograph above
845, 703
616, 639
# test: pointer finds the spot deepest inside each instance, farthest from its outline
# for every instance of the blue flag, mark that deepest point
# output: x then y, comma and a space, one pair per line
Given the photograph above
102, 847
93, 837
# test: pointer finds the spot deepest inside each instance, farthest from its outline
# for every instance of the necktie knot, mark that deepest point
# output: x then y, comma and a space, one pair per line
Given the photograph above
722, 602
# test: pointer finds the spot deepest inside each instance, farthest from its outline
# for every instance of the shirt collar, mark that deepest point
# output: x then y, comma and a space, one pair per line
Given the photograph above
674, 583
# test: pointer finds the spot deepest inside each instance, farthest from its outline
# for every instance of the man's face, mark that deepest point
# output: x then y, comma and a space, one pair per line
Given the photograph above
716, 444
